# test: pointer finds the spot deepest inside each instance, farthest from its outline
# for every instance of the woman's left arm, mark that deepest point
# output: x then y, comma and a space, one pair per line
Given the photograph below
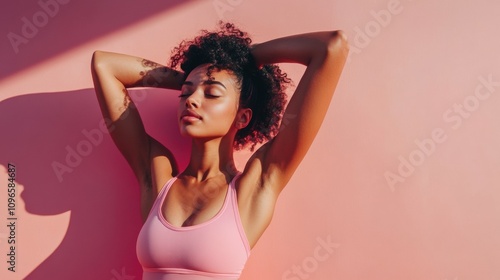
324, 54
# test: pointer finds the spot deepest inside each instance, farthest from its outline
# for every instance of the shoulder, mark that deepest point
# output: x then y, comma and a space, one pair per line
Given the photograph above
256, 198
161, 168
163, 165
257, 178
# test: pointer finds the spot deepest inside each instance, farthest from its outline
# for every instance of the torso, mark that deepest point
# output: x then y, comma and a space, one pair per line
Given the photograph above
190, 203
213, 249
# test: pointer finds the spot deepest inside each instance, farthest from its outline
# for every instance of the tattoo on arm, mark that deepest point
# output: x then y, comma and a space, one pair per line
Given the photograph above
149, 63
126, 102
154, 74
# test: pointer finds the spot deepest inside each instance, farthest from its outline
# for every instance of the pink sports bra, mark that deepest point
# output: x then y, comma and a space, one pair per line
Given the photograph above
215, 249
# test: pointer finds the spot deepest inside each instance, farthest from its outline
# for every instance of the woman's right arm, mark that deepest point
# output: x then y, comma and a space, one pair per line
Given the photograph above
112, 74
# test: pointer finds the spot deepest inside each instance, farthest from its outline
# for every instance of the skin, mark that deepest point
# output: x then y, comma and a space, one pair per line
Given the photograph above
198, 193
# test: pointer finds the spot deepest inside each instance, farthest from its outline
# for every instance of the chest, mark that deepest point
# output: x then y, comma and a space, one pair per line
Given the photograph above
192, 204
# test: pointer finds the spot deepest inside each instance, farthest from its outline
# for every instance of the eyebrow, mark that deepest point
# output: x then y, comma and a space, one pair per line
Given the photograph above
207, 82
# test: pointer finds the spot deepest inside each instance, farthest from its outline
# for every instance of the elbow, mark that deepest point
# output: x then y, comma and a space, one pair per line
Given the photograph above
338, 44
94, 62
98, 60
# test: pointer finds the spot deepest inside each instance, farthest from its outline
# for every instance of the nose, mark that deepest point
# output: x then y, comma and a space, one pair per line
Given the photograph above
192, 101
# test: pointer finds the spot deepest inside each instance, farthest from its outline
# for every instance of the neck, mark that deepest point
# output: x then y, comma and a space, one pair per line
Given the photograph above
210, 159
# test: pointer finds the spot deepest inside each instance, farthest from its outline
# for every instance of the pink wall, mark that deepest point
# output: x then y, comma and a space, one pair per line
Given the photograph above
402, 181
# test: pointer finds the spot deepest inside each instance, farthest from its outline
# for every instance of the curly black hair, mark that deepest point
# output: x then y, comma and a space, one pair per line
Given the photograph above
262, 90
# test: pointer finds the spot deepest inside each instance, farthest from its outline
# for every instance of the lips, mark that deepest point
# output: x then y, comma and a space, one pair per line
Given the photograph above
190, 114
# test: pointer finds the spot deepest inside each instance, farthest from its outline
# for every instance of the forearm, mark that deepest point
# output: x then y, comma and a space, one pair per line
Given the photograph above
301, 48
134, 71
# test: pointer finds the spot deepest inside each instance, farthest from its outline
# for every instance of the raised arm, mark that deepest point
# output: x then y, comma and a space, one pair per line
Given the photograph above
324, 54
112, 74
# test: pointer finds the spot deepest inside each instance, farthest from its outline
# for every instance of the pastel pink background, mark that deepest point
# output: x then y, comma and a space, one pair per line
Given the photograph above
412, 64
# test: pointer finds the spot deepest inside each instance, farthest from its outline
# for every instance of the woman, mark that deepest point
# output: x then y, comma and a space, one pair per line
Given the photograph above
202, 223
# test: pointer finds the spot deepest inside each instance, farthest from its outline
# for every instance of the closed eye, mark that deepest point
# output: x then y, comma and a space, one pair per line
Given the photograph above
211, 96
185, 92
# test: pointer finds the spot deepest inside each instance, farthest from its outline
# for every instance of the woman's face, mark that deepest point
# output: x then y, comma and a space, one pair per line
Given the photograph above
208, 107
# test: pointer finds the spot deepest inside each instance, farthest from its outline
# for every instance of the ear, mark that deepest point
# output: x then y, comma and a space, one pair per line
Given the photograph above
243, 118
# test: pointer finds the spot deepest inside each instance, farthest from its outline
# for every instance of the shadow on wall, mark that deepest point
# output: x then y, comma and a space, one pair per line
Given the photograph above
66, 161
37, 30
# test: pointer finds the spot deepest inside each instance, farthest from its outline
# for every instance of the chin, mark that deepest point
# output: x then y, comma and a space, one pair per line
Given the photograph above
191, 132
202, 132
